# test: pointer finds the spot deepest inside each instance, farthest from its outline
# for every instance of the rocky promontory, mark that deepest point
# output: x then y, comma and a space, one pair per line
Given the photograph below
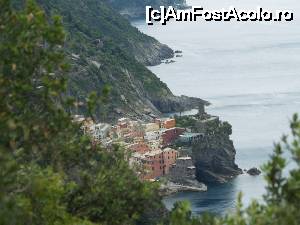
214, 154
212, 150
167, 104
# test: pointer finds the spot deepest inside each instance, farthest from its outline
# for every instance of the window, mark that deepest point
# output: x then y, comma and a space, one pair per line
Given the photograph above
152, 168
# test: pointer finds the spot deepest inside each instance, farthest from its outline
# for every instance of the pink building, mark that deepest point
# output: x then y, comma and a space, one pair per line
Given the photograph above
158, 163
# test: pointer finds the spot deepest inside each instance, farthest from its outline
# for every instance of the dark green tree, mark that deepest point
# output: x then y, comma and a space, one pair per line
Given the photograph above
50, 172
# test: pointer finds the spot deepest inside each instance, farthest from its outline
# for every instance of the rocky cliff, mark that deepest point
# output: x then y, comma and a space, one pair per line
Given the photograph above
214, 154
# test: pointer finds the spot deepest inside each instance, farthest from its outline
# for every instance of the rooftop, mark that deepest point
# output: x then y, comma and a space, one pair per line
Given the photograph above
122, 119
166, 119
153, 153
102, 126
168, 149
184, 158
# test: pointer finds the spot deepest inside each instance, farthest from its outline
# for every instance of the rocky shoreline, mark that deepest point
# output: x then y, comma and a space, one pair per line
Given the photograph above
171, 188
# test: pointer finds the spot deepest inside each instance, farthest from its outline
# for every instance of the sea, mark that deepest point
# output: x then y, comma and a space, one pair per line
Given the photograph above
250, 73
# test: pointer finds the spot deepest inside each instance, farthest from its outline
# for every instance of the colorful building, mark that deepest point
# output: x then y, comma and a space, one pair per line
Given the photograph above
166, 123
169, 123
157, 163
149, 127
170, 135
170, 156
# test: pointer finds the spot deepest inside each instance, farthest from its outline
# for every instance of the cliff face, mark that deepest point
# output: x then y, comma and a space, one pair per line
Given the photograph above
178, 103
105, 50
214, 154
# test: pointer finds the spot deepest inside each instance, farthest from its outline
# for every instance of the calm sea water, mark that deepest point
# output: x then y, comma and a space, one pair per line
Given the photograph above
250, 72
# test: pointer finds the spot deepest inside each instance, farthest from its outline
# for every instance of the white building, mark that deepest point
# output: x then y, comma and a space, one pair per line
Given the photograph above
100, 131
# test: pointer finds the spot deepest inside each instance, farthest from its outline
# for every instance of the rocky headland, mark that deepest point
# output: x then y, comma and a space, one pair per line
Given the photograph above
213, 151
214, 154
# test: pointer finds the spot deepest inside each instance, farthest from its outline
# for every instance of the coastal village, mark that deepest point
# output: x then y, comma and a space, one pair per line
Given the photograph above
150, 146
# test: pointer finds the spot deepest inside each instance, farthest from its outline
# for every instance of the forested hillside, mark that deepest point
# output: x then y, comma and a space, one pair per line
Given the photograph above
105, 50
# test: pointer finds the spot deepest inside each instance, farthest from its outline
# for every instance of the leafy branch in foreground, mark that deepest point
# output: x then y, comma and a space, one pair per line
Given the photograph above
50, 172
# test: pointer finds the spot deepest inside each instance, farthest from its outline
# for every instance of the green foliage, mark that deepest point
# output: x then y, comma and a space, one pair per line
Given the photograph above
185, 121
50, 172
181, 214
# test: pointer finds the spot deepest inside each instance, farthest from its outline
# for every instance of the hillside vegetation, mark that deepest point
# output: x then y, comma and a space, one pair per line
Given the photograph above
105, 50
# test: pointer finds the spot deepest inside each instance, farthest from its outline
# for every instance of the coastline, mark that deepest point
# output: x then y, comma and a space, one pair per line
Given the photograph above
171, 188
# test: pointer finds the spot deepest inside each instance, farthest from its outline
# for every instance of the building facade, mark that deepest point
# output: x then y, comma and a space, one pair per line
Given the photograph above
183, 169
157, 163
170, 135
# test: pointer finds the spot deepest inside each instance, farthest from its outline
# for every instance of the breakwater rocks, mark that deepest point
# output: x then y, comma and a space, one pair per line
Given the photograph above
170, 188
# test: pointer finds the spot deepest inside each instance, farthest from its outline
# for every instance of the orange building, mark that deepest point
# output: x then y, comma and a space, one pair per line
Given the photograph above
170, 155
169, 123
157, 163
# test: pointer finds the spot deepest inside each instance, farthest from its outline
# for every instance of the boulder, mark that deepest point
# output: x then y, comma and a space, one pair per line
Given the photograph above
254, 171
